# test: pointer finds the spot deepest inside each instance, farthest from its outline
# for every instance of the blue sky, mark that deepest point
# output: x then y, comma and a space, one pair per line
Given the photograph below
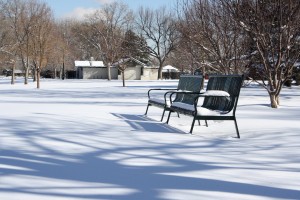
77, 8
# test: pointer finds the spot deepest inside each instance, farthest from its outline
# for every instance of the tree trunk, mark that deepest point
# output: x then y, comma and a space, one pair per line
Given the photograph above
26, 75
60, 73
203, 74
123, 78
63, 72
38, 78
13, 74
159, 76
34, 74
27, 67
108, 72
274, 100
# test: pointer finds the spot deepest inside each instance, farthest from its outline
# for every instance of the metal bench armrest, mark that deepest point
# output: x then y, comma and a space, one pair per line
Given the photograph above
159, 89
183, 92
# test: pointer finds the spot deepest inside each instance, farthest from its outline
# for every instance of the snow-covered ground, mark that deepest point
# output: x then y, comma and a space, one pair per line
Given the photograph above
89, 139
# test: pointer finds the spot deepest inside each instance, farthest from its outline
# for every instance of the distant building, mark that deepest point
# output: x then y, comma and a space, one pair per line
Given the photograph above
137, 70
94, 70
17, 72
170, 72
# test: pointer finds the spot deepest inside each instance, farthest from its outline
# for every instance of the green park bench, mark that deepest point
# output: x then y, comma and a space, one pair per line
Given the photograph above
219, 103
189, 84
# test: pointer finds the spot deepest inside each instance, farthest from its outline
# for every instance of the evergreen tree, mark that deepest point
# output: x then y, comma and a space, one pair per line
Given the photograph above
135, 46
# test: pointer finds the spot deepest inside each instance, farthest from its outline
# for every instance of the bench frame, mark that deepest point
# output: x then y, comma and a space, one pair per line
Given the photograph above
217, 85
182, 86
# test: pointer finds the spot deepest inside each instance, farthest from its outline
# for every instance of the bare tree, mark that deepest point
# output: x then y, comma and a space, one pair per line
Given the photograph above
19, 16
123, 63
83, 39
158, 27
59, 57
9, 46
188, 56
214, 39
27, 19
56, 58
273, 26
65, 47
105, 31
41, 38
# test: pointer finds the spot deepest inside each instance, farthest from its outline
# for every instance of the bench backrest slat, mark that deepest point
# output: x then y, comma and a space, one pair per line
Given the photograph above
229, 83
192, 83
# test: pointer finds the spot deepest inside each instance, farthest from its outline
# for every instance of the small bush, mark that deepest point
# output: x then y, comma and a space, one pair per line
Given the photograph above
288, 83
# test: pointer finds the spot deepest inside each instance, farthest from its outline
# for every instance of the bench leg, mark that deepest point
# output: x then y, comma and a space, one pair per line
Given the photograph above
237, 129
147, 109
192, 127
162, 117
206, 123
168, 117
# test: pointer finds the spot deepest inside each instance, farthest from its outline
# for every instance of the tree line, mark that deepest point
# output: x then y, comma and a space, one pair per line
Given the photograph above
259, 38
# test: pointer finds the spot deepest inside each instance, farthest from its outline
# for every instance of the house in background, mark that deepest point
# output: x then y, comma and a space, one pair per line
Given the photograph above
94, 70
134, 70
6, 69
149, 73
170, 72
17, 72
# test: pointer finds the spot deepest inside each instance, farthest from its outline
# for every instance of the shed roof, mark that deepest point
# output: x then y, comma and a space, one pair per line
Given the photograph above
169, 68
124, 60
87, 63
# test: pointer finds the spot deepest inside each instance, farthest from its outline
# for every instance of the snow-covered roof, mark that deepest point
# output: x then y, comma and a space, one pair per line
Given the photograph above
170, 68
124, 60
87, 63
151, 67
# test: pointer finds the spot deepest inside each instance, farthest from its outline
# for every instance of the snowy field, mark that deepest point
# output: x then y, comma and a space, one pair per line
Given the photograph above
89, 139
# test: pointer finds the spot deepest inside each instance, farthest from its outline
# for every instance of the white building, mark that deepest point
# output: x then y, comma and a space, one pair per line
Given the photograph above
94, 70
97, 70
138, 72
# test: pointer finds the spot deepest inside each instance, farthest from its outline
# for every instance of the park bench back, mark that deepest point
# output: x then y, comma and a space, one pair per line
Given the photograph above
189, 83
229, 83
